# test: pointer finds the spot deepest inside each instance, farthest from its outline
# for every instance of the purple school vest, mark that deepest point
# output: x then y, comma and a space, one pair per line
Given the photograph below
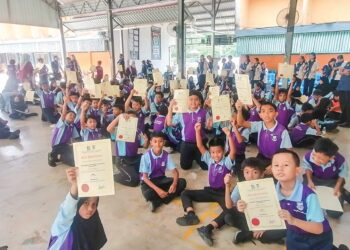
141, 121
66, 136
158, 165
159, 124
131, 148
299, 132
216, 175
270, 142
257, 94
94, 135
254, 115
332, 172
49, 99
299, 209
96, 114
190, 119
284, 114
240, 147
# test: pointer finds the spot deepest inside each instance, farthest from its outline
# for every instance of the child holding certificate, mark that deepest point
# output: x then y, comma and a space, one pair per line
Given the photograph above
283, 101
219, 165
64, 132
325, 166
88, 125
271, 134
136, 105
187, 120
127, 159
306, 132
155, 186
78, 224
307, 228
253, 169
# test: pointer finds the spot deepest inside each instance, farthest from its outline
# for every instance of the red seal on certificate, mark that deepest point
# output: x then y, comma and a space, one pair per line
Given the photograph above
120, 136
255, 222
217, 117
85, 187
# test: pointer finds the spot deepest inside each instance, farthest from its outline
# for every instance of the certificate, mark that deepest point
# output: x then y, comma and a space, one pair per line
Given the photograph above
26, 86
140, 85
191, 71
29, 97
262, 204
158, 78
120, 68
244, 89
96, 91
183, 84
71, 77
221, 108
94, 161
285, 70
327, 199
112, 90
126, 130
224, 73
174, 84
181, 99
209, 78
214, 91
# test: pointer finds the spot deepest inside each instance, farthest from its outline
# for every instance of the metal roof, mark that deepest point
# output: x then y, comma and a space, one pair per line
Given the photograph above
91, 14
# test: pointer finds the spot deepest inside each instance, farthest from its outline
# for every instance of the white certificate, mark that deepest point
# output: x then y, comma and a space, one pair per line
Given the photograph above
221, 108
183, 84
95, 175
327, 199
158, 78
120, 68
262, 204
174, 84
126, 130
96, 91
29, 97
209, 78
26, 86
224, 73
285, 70
71, 77
181, 99
140, 85
112, 90
244, 89
214, 91
191, 71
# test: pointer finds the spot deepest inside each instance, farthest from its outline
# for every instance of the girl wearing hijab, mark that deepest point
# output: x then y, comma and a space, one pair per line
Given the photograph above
77, 225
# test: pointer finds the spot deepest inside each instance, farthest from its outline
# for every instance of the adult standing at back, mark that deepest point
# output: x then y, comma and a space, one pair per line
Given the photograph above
343, 89
312, 67
26, 70
246, 67
340, 63
202, 70
56, 68
299, 71
98, 73
230, 67
121, 62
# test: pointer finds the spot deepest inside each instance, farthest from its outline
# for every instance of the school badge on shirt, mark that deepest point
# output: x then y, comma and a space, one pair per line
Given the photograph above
300, 206
273, 137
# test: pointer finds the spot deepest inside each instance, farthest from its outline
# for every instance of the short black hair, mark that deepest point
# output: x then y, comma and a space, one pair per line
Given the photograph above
105, 102
157, 134
73, 93
197, 93
260, 84
317, 92
253, 162
294, 155
245, 114
137, 99
335, 93
131, 112
160, 93
162, 109
216, 141
306, 117
266, 103
71, 111
326, 146
91, 117
282, 91
119, 106
307, 107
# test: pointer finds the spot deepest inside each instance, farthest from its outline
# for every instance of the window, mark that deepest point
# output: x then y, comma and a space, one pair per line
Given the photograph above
134, 44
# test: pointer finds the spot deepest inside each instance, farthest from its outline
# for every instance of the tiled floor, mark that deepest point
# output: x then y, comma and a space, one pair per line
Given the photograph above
31, 192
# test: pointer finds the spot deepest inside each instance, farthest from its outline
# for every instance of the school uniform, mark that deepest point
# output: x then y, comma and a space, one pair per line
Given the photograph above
303, 204
155, 167
237, 219
230, 67
90, 134
215, 192
303, 135
188, 148
285, 112
47, 101
70, 231
95, 113
128, 160
299, 71
240, 149
256, 73
259, 94
63, 134
310, 74
270, 140
328, 174
254, 115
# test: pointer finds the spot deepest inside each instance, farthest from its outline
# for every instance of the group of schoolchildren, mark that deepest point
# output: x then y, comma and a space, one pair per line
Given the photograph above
275, 125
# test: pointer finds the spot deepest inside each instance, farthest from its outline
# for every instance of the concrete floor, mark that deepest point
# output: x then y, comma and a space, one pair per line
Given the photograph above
31, 192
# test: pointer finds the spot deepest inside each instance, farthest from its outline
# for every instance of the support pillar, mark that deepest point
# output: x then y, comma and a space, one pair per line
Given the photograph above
180, 38
62, 39
290, 31
111, 39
